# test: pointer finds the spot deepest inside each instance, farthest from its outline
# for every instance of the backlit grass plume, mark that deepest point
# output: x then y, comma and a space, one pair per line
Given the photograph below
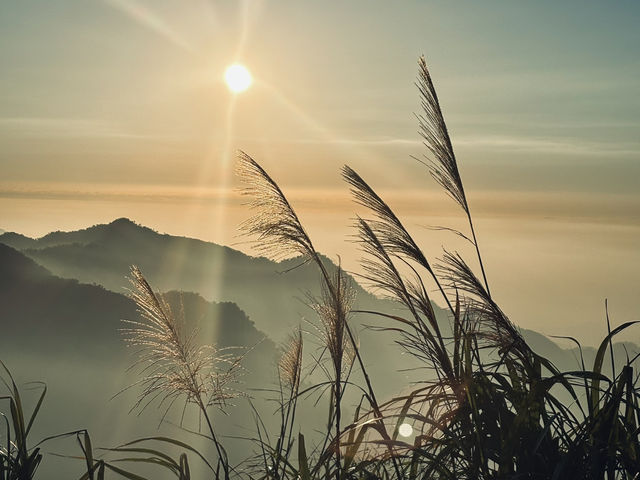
275, 226
433, 129
278, 232
442, 164
390, 234
422, 337
174, 366
290, 364
333, 312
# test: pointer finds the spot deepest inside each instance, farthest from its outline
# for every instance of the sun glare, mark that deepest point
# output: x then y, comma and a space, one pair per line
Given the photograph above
405, 430
238, 78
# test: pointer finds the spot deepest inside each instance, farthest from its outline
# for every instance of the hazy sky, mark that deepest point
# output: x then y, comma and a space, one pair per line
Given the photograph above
117, 108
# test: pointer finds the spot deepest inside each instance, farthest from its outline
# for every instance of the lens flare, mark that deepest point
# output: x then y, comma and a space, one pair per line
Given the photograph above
405, 430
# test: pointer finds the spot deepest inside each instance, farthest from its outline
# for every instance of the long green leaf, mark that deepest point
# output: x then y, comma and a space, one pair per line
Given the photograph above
597, 364
173, 442
34, 414
303, 461
124, 473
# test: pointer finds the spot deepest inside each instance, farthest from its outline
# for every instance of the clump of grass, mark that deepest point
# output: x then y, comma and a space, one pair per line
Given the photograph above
17, 460
278, 232
493, 407
290, 363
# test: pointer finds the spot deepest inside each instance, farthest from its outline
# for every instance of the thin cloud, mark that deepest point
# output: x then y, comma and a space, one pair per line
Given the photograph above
383, 141
564, 206
66, 127
548, 145
564, 146
148, 19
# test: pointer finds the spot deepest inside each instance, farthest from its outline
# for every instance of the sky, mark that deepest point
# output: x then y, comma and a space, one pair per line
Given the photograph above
112, 108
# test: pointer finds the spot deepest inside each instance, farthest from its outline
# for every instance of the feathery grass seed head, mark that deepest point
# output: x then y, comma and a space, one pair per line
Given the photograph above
172, 363
275, 226
290, 364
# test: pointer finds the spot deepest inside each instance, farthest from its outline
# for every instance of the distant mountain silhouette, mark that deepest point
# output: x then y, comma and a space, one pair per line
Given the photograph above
53, 312
45, 311
119, 227
274, 300
104, 253
17, 240
65, 332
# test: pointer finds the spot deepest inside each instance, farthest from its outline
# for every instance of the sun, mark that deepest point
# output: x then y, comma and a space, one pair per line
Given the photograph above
238, 78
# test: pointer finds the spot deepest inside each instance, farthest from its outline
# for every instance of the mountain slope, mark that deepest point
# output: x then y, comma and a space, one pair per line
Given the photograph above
104, 253
51, 313
66, 334
276, 301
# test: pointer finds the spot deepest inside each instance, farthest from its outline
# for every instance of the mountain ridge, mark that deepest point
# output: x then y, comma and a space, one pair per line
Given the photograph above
32, 296
65, 331
103, 254
68, 335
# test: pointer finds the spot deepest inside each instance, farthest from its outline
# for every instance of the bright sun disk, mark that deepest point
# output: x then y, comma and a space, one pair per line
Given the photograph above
238, 78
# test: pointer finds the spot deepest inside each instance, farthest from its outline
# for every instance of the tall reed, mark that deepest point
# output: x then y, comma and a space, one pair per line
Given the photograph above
278, 233
174, 366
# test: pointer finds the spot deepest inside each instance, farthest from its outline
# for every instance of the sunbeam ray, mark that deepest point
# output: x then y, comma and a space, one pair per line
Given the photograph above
354, 147
148, 19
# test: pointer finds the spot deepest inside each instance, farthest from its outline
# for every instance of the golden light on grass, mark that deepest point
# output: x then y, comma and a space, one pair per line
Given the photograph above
237, 78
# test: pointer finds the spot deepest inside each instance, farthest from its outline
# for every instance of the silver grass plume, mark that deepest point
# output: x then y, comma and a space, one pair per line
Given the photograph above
333, 311
384, 238
173, 364
290, 364
279, 233
433, 129
502, 333
382, 274
275, 226
387, 227
389, 231
443, 165
422, 339
379, 270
